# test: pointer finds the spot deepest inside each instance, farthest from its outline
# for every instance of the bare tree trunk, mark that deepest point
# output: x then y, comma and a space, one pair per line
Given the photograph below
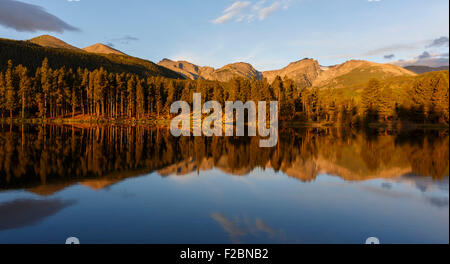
23, 106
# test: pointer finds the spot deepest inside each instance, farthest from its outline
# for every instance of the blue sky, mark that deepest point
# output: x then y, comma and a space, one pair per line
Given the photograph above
266, 33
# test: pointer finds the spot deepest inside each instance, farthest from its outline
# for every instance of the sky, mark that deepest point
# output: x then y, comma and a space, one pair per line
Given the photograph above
269, 34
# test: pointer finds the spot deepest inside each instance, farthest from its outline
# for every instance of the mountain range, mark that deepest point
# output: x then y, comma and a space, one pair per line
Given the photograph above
306, 72
224, 74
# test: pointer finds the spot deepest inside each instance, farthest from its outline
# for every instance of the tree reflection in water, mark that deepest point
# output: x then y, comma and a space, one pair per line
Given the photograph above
33, 156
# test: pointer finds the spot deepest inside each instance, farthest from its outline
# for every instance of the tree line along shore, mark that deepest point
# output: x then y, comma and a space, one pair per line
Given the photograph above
82, 95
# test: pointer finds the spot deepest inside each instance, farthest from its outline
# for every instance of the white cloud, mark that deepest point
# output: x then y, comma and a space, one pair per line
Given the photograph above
248, 11
235, 9
259, 5
266, 11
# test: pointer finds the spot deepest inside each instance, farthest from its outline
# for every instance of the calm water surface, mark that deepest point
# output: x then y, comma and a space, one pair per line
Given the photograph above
140, 185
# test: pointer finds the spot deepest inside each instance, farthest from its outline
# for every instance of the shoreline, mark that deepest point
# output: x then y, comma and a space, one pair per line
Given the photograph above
92, 121
162, 122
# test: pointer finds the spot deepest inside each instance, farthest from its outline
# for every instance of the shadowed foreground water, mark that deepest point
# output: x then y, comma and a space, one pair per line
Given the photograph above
141, 185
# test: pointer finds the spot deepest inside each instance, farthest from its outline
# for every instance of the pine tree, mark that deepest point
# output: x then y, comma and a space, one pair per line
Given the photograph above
10, 95
45, 74
24, 87
204, 89
440, 98
255, 90
140, 99
245, 90
218, 93
112, 95
54, 93
150, 95
131, 91
314, 105
234, 90
266, 91
38, 96
277, 87
290, 97
122, 91
84, 86
100, 84
158, 97
59, 93
371, 99
327, 104
90, 93
75, 91
2, 93
422, 94
68, 92
186, 93
386, 104
171, 96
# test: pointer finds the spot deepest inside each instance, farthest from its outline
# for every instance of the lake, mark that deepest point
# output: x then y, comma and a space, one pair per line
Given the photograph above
116, 184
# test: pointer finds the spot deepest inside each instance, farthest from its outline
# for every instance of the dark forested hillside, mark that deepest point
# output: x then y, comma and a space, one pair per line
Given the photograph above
31, 56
